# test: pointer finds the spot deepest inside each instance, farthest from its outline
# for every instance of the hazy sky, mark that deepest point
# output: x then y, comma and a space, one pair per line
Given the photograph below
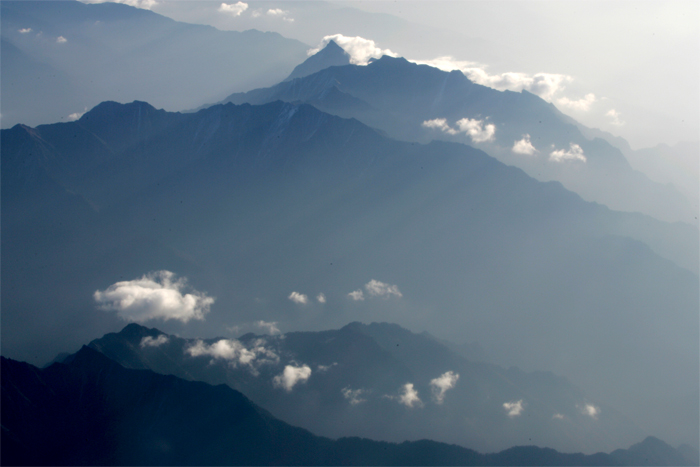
631, 68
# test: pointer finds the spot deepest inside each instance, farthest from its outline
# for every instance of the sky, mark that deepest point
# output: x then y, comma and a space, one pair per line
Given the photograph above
629, 68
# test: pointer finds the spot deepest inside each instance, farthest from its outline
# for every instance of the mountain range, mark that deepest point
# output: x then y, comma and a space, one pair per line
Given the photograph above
257, 202
61, 58
419, 103
550, 272
92, 411
356, 385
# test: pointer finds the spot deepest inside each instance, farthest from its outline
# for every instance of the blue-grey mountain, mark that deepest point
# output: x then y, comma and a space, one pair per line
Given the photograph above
92, 411
399, 97
253, 202
63, 57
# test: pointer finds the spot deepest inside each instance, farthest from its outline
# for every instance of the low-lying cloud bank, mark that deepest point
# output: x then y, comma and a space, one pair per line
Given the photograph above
156, 295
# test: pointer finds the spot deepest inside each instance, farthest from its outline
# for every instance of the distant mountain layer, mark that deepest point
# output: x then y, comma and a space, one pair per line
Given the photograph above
92, 411
357, 377
61, 58
331, 55
252, 203
420, 103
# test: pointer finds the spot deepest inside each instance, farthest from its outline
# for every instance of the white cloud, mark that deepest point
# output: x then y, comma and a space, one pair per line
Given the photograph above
574, 153
409, 396
514, 408
233, 9
615, 117
545, 85
353, 395
61, 40
590, 410
235, 352
356, 295
149, 341
143, 4
270, 327
156, 295
582, 105
442, 384
276, 12
299, 298
291, 376
524, 146
289, 20
361, 50
25, 30
321, 298
558, 416
76, 116
379, 289
476, 129
440, 124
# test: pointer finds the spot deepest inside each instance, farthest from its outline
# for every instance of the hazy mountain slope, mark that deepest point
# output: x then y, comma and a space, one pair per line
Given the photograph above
254, 202
116, 52
91, 411
356, 381
403, 95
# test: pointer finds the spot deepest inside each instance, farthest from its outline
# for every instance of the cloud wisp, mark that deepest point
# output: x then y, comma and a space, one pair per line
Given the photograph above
233, 9
589, 410
357, 295
375, 288
269, 326
581, 105
298, 298
514, 408
76, 116
409, 396
575, 153
291, 376
545, 85
440, 124
149, 341
361, 50
477, 130
321, 298
442, 384
156, 295
25, 30
235, 353
614, 116
354, 396
524, 146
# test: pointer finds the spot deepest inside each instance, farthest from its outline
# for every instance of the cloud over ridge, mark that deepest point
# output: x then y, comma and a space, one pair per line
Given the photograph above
361, 50
156, 295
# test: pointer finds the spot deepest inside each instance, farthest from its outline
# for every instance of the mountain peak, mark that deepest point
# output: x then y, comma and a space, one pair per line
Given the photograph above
331, 55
